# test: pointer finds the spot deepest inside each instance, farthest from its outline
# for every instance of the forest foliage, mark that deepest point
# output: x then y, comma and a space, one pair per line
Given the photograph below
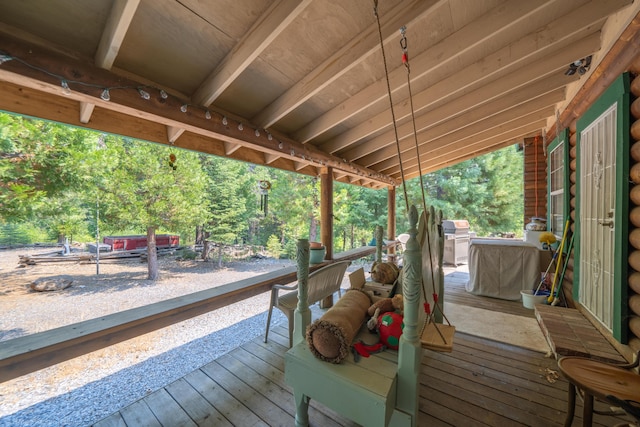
58, 180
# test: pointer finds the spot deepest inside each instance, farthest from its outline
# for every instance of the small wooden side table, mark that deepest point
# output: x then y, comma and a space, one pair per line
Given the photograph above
596, 379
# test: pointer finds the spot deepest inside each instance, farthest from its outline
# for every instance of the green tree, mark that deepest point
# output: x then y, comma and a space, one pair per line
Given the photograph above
40, 173
139, 189
486, 190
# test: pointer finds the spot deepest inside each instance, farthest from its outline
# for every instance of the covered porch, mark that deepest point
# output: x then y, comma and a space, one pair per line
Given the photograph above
482, 382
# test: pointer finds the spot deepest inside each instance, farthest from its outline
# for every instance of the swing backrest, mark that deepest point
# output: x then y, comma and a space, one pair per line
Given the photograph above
431, 239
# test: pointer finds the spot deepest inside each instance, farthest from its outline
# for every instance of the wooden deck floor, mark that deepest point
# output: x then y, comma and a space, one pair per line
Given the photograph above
481, 383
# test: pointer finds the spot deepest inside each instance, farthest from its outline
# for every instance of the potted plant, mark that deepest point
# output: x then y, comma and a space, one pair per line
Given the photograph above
317, 252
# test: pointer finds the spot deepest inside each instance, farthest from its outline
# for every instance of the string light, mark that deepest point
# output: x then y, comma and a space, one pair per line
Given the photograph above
105, 95
144, 94
65, 87
5, 58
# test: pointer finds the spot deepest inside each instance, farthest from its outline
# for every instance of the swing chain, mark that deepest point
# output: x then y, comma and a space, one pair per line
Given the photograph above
403, 46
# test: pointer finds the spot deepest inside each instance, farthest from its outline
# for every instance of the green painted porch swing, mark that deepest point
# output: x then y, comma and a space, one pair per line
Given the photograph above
383, 389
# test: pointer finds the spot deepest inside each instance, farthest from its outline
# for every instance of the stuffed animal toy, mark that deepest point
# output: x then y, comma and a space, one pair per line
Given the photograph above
387, 304
384, 272
390, 326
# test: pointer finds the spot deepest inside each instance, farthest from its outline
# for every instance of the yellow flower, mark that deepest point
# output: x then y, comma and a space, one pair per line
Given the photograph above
548, 238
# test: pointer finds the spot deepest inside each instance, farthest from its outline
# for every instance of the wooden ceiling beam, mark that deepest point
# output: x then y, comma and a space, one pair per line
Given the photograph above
115, 29
479, 152
230, 148
474, 149
264, 31
270, 158
346, 58
173, 133
529, 49
448, 143
166, 111
551, 67
86, 110
482, 119
456, 50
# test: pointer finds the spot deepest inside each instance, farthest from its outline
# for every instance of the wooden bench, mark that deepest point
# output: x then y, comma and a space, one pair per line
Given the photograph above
569, 333
321, 284
380, 390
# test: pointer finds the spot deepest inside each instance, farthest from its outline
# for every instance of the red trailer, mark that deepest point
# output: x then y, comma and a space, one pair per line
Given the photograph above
131, 243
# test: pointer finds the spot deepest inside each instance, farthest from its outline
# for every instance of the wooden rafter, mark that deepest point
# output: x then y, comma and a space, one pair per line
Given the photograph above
259, 37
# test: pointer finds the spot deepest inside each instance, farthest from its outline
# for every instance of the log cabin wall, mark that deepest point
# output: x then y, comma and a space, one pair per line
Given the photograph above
535, 179
634, 212
567, 283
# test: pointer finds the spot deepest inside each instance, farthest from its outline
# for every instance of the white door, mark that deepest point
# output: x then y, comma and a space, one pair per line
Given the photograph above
597, 204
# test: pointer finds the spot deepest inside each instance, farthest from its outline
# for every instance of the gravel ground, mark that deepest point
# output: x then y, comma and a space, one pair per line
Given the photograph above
88, 388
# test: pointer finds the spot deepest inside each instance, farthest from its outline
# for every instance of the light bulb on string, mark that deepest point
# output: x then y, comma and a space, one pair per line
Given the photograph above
280, 145
257, 132
207, 115
269, 137
163, 94
144, 94
224, 121
183, 108
240, 127
65, 87
105, 95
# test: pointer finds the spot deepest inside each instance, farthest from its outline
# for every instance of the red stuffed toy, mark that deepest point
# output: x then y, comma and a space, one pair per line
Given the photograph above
390, 326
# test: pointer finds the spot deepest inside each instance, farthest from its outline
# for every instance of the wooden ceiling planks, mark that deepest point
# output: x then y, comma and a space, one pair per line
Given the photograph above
311, 72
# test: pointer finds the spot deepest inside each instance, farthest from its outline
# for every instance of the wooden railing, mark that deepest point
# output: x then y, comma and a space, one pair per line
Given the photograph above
30, 353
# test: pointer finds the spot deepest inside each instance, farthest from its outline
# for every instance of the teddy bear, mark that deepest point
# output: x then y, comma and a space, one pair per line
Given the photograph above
394, 303
386, 320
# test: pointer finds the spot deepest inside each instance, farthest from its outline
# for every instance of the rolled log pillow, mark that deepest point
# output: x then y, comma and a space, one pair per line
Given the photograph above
330, 337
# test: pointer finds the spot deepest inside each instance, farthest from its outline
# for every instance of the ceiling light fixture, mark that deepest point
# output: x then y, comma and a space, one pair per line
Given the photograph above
581, 66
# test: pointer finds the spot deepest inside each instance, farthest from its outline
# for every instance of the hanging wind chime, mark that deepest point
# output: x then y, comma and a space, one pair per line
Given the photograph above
264, 187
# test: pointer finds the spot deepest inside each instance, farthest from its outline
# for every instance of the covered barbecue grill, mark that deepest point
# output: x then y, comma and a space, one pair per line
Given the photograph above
456, 241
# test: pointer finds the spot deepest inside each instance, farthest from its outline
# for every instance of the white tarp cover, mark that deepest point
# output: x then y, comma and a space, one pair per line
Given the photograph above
501, 268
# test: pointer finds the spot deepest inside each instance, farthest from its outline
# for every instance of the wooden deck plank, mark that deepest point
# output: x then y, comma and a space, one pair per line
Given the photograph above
139, 414
230, 407
113, 420
481, 383
277, 377
268, 382
275, 366
259, 405
165, 408
196, 406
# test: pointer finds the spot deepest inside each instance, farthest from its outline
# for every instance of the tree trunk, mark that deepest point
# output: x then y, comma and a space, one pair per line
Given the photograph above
313, 230
206, 245
199, 235
220, 252
152, 253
